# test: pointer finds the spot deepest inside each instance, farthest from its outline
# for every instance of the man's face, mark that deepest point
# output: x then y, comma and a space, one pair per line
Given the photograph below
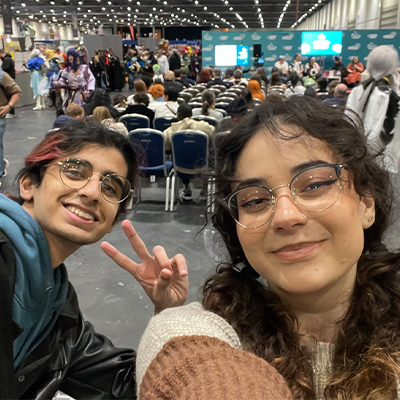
69, 217
2, 55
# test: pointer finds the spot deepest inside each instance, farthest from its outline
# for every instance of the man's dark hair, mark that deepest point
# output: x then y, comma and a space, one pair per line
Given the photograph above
141, 98
322, 84
172, 92
177, 73
183, 71
184, 111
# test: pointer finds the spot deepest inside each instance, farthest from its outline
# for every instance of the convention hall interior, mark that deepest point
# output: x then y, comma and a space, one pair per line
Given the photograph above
202, 33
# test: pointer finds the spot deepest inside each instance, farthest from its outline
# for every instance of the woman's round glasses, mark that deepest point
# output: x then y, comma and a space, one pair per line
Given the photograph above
76, 174
313, 189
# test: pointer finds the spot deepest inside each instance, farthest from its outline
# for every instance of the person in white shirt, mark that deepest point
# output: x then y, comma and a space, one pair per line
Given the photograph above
297, 66
282, 65
170, 105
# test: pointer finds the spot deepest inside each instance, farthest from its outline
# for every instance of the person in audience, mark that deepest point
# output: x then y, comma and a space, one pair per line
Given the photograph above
263, 74
184, 122
228, 76
185, 78
169, 80
276, 85
282, 66
294, 86
204, 76
100, 97
138, 87
297, 66
73, 187
310, 92
208, 107
238, 78
217, 79
158, 76
354, 69
76, 79
157, 92
331, 88
73, 113
255, 89
178, 79
322, 90
339, 97
103, 115
140, 106
306, 285
120, 102
174, 60
170, 104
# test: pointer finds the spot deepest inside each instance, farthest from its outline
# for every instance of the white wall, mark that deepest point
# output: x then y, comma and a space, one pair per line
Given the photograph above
355, 14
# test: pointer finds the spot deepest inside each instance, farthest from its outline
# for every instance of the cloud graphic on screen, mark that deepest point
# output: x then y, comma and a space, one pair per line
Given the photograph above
371, 46
354, 47
305, 48
255, 36
208, 48
373, 35
271, 47
355, 35
271, 37
207, 36
223, 38
273, 57
288, 37
390, 35
240, 37
287, 48
207, 58
288, 57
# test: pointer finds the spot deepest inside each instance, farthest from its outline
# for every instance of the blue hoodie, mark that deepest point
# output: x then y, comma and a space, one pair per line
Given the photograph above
39, 289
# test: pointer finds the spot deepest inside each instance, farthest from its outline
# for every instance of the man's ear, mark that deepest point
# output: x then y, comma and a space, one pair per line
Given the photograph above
27, 188
367, 211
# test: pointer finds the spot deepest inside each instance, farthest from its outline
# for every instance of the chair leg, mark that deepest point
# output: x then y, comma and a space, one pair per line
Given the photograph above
171, 206
167, 194
210, 194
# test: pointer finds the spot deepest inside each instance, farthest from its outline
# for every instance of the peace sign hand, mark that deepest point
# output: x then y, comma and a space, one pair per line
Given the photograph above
164, 280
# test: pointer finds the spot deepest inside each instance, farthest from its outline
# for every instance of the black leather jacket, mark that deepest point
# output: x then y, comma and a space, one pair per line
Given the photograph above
73, 358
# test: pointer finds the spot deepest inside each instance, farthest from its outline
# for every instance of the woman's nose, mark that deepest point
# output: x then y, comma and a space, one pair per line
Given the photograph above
286, 213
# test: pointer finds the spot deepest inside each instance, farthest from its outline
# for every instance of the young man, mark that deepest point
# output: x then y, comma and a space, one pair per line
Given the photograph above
73, 187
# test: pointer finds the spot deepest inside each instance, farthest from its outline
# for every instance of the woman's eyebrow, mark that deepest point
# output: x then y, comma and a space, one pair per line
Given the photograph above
307, 164
250, 181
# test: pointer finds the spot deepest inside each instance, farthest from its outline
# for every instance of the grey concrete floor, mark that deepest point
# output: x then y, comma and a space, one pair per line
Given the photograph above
110, 298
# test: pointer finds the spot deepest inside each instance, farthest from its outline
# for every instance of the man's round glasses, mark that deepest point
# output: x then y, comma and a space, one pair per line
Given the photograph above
314, 189
76, 174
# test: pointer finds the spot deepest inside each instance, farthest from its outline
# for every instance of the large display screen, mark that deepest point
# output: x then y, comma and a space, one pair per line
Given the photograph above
321, 43
231, 55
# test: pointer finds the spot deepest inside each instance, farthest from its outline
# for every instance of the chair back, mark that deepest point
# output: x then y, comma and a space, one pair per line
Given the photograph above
163, 123
186, 96
195, 104
192, 90
211, 120
221, 88
135, 121
190, 151
223, 99
150, 147
223, 105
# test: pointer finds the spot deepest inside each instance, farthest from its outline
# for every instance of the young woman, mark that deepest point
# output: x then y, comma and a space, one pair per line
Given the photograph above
309, 287
208, 108
354, 69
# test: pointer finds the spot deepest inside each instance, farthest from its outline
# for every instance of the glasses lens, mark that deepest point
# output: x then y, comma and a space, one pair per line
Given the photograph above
251, 206
115, 188
75, 173
316, 189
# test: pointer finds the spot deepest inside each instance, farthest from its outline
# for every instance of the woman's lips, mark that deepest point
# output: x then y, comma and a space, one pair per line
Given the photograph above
297, 251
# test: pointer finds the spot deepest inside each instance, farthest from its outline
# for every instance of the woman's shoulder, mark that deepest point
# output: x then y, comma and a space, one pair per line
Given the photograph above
188, 320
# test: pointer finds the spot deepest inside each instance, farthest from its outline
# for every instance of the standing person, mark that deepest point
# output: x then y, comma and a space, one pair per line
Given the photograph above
174, 60
96, 68
307, 284
354, 70
297, 66
8, 65
116, 73
162, 61
77, 80
73, 187
132, 65
10, 93
37, 68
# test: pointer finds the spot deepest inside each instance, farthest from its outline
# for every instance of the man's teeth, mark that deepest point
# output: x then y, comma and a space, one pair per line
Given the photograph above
79, 212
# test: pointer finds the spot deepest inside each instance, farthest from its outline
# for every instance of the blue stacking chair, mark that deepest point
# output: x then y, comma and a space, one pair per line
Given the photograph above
135, 121
150, 147
190, 156
211, 120
163, 123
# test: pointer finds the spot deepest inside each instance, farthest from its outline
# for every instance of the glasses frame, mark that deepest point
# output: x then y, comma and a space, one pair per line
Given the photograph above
61, 163
338, 168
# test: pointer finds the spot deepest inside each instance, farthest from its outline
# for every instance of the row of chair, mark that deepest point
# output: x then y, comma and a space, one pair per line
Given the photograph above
189, 154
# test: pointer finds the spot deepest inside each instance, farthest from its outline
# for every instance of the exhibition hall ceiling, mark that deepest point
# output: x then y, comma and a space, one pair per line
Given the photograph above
215, 14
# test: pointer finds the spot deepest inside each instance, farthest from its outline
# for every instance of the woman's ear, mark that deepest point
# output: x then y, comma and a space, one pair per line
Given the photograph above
367, 211
27, 188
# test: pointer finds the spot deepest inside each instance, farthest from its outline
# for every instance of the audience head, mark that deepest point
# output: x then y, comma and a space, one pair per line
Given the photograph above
100, 113
147, 81
204, 75
237, 107
228, 73
171, 92
208, 99
99, 97
177, 73
157, 91
322, 83
169, 76
340, 90
75, 111
275, 79
183, 71
309, 92
184, 111
382, 62
139, 86
141, 98
119, 100
246, 94
216, 73
332, 85
72, 60
238, 74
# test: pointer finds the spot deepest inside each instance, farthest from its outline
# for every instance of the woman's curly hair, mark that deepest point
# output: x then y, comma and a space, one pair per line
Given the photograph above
367, 343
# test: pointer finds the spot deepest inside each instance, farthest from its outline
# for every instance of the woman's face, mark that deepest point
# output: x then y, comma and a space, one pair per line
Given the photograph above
71, 59
312, 61
355, 60
301, 252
